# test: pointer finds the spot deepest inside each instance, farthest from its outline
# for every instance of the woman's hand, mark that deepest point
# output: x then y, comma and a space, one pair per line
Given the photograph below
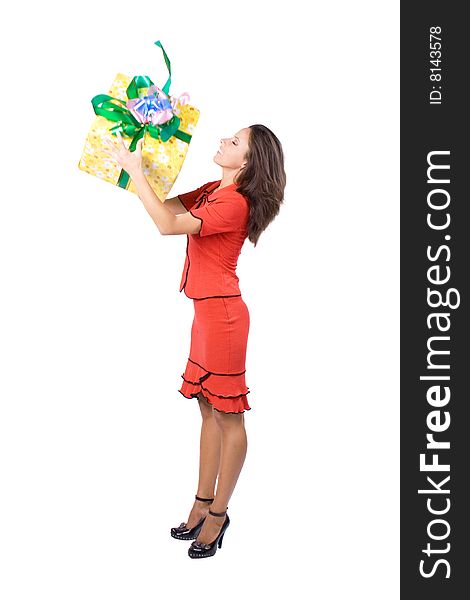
129, 161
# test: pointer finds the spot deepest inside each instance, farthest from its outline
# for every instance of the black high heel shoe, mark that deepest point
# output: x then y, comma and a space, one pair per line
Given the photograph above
200, 550
183, 533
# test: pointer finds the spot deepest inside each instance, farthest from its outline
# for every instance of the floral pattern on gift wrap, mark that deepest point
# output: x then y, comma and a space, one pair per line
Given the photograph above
161, 161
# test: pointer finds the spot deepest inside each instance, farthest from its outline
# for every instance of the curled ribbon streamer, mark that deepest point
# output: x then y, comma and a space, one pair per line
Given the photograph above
183, 99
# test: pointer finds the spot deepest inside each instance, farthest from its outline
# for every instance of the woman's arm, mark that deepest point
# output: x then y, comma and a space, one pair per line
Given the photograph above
175, 205
168, 223
167, 220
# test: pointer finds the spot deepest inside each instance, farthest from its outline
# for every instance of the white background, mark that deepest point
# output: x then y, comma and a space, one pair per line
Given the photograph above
99, 450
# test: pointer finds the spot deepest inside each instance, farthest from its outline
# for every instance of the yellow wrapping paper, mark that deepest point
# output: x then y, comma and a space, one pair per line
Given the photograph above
161, 161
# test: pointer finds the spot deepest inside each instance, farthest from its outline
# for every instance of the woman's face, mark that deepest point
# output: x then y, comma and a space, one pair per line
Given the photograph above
232, 151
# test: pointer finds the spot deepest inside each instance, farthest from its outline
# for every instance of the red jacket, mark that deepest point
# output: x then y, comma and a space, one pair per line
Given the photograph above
212, 254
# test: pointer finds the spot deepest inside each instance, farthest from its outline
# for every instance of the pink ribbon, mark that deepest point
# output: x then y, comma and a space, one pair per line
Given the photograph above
155, 107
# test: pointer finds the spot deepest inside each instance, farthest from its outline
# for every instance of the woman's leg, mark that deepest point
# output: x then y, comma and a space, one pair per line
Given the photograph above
209, 459
233, 452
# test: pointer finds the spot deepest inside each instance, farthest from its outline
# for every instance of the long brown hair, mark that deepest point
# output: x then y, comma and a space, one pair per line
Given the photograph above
262, 180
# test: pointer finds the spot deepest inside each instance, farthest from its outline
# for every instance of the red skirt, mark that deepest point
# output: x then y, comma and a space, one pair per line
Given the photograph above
216, 363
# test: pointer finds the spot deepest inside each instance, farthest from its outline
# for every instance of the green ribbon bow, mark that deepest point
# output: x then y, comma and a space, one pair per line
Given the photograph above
105, 106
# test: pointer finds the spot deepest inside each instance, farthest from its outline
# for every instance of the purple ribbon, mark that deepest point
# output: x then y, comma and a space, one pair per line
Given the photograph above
155, 108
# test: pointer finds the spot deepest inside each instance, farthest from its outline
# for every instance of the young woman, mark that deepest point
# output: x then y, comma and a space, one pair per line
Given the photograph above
217, 218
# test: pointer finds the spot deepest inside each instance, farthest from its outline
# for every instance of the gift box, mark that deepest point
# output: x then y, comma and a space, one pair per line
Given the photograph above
138, 108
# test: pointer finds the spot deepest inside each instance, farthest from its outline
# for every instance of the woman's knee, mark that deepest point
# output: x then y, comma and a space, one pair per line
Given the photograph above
205, 406
229, 421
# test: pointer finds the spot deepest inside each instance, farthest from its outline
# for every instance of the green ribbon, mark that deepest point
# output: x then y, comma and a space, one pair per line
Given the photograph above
116, 110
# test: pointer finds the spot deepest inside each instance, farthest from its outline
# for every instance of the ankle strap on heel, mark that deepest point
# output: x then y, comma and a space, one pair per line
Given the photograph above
218, 514
204, 499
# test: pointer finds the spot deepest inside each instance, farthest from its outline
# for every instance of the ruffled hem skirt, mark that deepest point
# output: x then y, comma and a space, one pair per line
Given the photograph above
216, 363
226, 393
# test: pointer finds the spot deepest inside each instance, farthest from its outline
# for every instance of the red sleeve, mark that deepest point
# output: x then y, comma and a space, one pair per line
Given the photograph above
189, 199
227, 213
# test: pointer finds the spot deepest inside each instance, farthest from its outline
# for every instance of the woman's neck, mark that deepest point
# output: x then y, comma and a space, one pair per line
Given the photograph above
228, 175
225, 182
